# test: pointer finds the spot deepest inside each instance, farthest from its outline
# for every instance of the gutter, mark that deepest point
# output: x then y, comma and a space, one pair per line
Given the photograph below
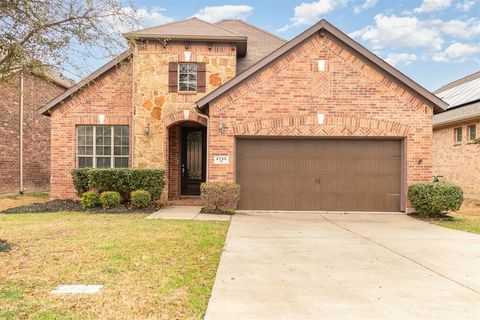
21, 131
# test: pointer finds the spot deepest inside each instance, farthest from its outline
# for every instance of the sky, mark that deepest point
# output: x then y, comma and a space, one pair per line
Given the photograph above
431, 41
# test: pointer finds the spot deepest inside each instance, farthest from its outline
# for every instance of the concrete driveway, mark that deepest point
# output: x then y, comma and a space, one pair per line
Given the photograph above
345, 266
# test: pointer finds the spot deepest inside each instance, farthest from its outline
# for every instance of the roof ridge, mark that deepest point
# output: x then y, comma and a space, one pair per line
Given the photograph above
458, 82
255, 27
177, 22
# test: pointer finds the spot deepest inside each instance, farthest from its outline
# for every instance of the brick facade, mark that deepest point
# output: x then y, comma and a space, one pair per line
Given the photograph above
110, 95
36, 133
457, 162
284, 98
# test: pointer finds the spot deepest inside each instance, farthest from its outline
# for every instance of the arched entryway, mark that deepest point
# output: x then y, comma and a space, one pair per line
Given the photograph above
187, 146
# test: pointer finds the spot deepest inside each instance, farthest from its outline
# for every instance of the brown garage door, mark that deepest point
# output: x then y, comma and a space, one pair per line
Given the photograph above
319, 174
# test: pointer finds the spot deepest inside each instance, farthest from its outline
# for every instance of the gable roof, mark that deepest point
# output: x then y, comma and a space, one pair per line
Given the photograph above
192, 29
186, 29
439, 105
260, 42
94, 75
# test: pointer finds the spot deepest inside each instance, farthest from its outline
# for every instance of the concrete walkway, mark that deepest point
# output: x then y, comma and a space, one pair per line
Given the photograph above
345, 266
186, 213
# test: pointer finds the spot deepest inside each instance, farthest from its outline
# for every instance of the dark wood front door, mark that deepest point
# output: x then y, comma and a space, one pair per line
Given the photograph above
193, 160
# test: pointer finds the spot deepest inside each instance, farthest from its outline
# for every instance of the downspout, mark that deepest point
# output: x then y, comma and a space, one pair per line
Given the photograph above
208, 138
21, 133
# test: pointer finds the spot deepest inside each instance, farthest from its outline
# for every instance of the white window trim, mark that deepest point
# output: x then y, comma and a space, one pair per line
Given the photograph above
94, 153
196, 78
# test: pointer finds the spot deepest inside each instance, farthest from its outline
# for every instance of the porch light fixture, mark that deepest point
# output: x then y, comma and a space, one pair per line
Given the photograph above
221, 127
146, 130
101, 118
186, 114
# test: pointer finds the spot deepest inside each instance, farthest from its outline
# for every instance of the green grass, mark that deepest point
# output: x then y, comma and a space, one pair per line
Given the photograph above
463, 224
154, 269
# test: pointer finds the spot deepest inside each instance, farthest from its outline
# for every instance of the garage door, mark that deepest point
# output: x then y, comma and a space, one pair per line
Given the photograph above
318, 174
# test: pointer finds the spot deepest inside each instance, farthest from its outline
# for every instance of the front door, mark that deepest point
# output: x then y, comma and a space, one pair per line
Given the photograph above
193, 160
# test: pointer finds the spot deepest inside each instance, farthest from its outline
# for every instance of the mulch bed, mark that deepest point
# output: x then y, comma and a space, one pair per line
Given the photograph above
434, 218
71, 205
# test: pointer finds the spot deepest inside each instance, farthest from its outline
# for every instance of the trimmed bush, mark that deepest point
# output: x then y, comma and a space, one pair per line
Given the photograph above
435, 198
110, 199
80, 180
90, 199
124, 181
140, 199
220, 197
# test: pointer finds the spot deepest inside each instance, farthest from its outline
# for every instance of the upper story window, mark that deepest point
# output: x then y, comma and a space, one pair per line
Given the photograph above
187, 77
102, 146
472, 132
458, 134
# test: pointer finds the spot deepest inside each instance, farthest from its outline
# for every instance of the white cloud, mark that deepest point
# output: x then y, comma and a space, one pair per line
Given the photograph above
308, 13
433, 5
466, 29
457, 52
401, 58
141, 18
366, 5
466, 5
216, 13
400, 32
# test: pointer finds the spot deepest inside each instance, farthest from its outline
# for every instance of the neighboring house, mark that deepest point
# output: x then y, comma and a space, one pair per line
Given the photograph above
24, 133
316, 123
455, 156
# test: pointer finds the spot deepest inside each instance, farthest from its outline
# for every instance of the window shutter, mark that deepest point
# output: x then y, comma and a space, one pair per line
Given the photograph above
201, 77
172, 77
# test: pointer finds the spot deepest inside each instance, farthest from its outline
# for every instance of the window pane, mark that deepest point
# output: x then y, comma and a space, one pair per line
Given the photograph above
458, 134
121, 145
85, 140
472, 132
103, 162
85, 162
121, 162
183, 67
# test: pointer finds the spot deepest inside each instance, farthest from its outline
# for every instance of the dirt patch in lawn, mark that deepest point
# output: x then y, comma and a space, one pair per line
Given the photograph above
4, 245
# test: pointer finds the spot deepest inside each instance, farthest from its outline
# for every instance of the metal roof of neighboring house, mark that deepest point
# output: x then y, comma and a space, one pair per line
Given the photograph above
94, 75
462, 91
463, 98
260, 42
192, 29
439, 105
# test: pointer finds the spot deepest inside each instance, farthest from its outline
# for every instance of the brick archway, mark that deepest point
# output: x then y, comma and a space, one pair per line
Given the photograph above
173, 126
333, 125
179, 117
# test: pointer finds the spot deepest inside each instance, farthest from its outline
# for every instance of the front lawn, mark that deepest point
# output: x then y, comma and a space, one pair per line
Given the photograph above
466, 219
150, 269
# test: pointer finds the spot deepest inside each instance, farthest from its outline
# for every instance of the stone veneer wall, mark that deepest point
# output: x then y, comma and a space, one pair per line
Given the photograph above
458, 163
358, 100
154, 103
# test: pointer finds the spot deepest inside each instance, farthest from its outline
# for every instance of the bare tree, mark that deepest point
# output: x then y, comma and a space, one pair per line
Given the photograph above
60, 33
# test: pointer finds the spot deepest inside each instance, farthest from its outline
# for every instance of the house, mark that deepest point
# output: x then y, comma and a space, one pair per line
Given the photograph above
315, 123
456, 158
25, 134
